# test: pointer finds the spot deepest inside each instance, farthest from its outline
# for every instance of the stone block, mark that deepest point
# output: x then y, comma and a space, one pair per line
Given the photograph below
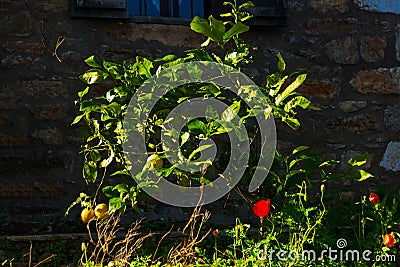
50, 111
350, 154
13, 140
19, 24
376, 142
39, 89
295, 5
328, 5
26, 47
392, 118
8, 97
49, 136
382, 25
373, 48
17, 189
13, 61
352, 106
4, 119
326, 89
343, 51
171, 35
55, 6
358, 123
380, 81
397, 44
391, 158
330, 26
48, 189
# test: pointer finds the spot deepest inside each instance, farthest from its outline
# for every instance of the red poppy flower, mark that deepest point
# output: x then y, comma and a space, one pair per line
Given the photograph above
215, 232
374, 198
261, 208
388, 240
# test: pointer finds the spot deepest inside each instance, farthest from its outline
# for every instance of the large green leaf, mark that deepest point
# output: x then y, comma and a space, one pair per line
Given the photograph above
93, 62
359, 175
358, 160
145, 66
236, 29
115, 70
116, 204
167, 58
93, 76
300, 101
90, 171
197, 127
281, 62
212, 28
230, 113
293, 86
198, 150
292, 122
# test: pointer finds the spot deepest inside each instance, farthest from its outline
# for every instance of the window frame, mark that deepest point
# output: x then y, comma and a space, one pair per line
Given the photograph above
272, 15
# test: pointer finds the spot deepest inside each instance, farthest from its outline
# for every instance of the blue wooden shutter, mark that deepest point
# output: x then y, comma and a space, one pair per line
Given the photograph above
166, 8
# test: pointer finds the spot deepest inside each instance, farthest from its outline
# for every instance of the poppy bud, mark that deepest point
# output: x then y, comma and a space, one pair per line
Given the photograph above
388, 240
374, 198
323, 188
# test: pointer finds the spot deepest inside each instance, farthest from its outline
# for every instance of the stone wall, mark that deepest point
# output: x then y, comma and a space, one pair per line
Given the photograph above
351, 53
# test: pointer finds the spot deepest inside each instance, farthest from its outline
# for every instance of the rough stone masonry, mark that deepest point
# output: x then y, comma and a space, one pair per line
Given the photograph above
350, 49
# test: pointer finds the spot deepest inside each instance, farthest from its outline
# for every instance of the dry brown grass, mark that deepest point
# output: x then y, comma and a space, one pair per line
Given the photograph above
184, 253
106, 247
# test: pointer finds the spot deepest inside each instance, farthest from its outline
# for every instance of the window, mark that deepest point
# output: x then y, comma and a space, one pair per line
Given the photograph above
265, 12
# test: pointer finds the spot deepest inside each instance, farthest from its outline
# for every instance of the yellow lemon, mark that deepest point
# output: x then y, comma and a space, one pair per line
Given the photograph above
183, 180
87, 214
156, 164
101, 211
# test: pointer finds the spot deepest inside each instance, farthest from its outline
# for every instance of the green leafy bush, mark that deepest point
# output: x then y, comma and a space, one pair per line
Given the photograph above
295, 185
